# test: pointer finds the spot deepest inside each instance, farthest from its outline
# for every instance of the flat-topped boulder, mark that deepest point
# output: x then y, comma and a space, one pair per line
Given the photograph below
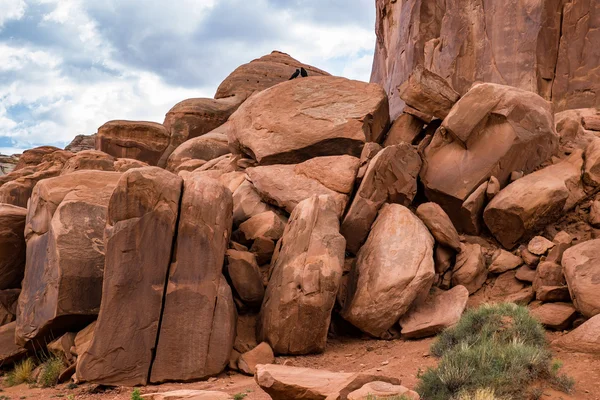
310, 117
140, 140
89, 160
492, 130
287, 185
285, 383
66, 220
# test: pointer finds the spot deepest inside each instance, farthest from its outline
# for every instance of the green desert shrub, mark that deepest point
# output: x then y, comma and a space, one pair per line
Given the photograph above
50, 371
136, 395
22, 373
494, 351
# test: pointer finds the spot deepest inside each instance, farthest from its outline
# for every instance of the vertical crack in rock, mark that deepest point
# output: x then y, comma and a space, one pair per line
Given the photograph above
166, 286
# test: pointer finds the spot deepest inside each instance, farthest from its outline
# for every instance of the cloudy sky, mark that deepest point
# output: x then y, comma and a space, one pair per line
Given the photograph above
68, 66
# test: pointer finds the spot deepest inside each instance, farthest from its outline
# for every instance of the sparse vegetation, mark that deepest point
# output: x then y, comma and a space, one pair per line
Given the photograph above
371, 397
492, 353
50, 372
239, 396
136, 395
22, 373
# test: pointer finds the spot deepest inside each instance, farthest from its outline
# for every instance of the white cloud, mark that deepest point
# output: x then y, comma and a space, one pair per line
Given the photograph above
11, 9
77, 66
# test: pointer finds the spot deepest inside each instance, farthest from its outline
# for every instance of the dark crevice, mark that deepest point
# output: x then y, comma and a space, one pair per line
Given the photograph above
560, 34
172, 259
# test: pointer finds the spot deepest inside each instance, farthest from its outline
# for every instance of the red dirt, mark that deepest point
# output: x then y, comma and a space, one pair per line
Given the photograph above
400, 359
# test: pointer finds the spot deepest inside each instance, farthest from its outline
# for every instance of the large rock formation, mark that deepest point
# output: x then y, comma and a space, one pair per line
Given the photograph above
546, 47
65, 224
197, 330
310, 117
12, 246
393, 269
584, 339
492, 131
33, 157
140, 226
305, 277
82, 143
8, 163
144, 141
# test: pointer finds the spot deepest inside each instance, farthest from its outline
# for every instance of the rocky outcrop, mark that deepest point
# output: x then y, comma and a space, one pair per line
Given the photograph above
581, 266
383, 390
491, 131
33, 157
393, 269
89, 160
143, 141
305, 277
331, 176
140, 226
8, 305
62, 286
12, 246
82, 143
391, 177
198, 312
528, 204
8, 163
9, 351
546, 47
316, 116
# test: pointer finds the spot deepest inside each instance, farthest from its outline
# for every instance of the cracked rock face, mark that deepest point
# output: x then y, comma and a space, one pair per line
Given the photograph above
545, 46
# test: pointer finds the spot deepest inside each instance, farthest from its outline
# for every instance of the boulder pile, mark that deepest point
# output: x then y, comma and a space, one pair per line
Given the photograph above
250, 225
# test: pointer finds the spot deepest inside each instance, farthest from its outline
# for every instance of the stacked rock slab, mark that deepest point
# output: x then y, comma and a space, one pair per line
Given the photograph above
492, 130
530, 203
206, 147
140, 226
12, 245
143, 141
545, 47
393, 269
332, 176
305, 118
306, 274
33, 157
390, 177
197, 330
62, 286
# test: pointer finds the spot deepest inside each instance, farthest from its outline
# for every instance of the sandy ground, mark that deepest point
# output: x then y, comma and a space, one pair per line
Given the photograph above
400, 359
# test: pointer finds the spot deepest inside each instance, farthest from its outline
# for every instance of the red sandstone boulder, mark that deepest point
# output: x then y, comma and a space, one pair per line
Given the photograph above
287, 185
140, 226
311, 117
581, 266
391, 177
584, 339
82, 143
261, 74
305, 276
441, 310
206, 147
89, 160
12, 246
33, 157
197, 329
393, 270
143, 141
491, 131
62, 287
530, 203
